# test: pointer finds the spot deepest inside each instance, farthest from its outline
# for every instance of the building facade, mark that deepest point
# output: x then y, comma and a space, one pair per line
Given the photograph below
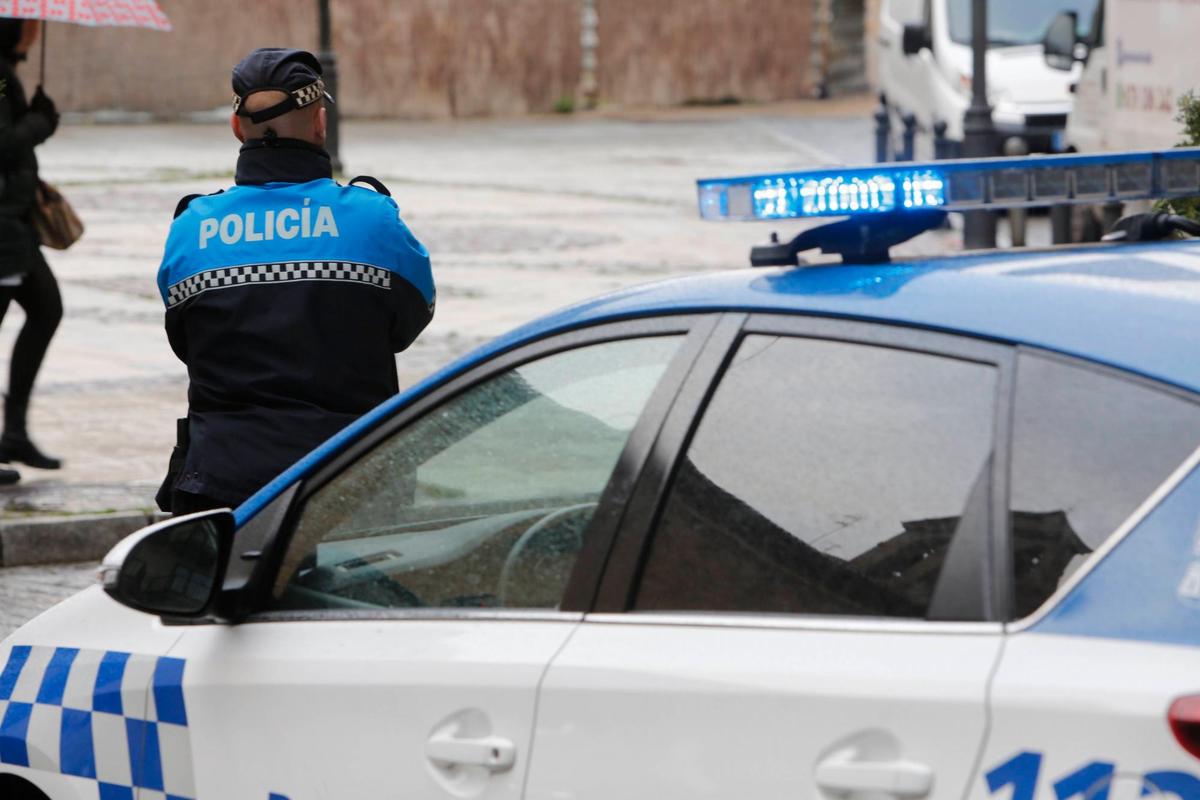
429, 59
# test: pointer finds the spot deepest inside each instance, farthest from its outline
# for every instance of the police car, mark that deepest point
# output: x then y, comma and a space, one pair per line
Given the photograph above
923, 529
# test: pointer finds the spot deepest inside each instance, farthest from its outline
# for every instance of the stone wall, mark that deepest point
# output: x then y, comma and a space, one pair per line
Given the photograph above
872, 38
405, 58
457, 58
444, 58
665, 52
167, 73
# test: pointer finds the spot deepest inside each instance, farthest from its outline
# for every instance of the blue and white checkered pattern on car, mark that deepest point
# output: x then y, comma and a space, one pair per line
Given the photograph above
116, 718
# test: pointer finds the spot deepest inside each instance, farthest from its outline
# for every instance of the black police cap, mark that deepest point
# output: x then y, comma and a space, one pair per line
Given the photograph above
297, 73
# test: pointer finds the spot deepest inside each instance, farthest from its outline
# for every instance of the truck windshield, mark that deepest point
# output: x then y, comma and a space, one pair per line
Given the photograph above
1012, 23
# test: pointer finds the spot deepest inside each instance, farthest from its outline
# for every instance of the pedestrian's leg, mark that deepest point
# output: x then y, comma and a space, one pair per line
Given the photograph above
7, 476
38, 295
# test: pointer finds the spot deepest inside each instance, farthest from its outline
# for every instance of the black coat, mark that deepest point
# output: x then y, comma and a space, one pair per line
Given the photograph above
20, 131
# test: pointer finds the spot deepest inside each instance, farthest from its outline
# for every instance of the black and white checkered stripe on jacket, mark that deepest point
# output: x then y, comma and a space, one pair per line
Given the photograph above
225, 277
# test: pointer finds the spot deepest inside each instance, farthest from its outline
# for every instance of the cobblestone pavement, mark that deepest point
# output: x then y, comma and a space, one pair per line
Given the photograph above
26, 592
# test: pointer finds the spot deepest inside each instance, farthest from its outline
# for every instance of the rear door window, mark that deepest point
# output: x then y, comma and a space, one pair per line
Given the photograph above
1089, 446
825, 477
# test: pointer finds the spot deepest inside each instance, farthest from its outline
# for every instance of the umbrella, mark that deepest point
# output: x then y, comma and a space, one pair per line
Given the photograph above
93, 13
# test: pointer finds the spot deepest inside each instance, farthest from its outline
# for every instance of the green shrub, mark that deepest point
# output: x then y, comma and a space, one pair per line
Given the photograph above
564, 105
1189, 117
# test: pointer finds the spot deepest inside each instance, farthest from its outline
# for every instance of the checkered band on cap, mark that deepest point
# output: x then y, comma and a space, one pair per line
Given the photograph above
309, 94
304, 96
226, 277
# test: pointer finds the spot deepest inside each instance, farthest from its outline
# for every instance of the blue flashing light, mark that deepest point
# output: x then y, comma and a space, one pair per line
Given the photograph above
785, 198
956, 185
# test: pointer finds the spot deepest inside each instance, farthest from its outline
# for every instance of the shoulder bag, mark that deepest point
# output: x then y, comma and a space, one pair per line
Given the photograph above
56, 223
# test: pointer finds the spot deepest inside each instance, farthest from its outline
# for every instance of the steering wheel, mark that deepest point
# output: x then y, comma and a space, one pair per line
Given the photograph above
522, 544
371, 588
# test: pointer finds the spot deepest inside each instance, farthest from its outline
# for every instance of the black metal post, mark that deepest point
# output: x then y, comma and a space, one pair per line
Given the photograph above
941, 145
942, 148
909, 149
330, 75
1018, 218
883, 132
1060, 224
979, 132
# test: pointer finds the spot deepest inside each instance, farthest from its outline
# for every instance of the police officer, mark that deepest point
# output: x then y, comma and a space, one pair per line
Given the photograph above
287, 295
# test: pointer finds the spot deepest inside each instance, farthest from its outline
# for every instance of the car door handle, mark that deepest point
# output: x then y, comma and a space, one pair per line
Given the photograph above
493, 753
841, 774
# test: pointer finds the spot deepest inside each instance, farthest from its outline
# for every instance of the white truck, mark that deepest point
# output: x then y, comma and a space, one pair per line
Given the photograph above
1138, 59
925, 65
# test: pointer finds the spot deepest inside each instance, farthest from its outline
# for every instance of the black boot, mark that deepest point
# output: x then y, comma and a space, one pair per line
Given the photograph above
9, 476
15, 444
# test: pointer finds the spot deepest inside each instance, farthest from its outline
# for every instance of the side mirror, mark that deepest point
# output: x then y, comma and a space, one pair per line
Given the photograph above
173, 568
1061, 39
916, 39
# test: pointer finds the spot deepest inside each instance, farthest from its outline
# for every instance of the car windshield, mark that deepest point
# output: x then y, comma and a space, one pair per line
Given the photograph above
1012, 23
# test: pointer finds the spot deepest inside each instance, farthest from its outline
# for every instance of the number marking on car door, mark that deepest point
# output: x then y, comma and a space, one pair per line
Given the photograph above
1090, 781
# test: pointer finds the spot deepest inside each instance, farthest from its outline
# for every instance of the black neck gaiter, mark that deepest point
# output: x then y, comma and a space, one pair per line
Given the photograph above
281, 161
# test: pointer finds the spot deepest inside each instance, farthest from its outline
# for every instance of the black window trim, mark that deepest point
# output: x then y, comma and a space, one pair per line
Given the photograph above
601, 531
619, 582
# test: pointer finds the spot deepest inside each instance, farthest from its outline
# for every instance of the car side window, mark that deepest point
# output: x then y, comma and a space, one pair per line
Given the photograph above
481, 502
1088, 448
825, 477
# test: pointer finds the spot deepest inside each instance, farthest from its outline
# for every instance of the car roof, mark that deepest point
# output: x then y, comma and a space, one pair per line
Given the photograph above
1134, 307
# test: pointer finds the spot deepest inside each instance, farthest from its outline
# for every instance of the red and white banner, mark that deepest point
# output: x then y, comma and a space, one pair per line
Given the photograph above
116, 13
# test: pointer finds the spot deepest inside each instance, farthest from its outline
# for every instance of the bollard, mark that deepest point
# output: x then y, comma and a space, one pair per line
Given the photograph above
908, 151
1060, 224
1109, 214
941, 145
883, 131
1018, 218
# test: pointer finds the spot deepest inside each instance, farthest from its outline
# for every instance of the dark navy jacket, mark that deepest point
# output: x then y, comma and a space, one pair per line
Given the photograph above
286, 297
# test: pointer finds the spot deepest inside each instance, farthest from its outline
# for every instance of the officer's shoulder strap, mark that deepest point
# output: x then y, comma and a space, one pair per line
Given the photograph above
187, 200
374, 183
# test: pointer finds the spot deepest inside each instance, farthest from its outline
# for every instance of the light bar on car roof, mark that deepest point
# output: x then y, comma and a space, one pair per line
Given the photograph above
957, 185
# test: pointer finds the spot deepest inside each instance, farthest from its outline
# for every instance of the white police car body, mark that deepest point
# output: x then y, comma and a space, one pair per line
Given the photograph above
903, 530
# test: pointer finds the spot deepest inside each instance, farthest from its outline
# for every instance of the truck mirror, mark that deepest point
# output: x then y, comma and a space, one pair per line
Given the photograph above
916, 39
1061, 39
